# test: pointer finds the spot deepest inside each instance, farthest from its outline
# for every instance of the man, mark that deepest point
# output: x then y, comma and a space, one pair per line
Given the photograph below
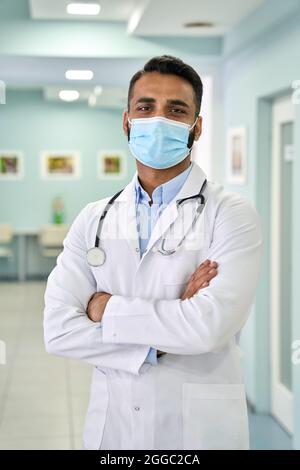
160, 315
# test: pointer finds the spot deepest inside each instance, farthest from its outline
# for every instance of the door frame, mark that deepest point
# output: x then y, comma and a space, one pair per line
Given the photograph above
281, 397
263, 150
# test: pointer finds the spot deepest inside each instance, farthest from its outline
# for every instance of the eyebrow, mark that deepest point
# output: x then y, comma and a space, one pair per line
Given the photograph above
145, 99
178, 102
148, 99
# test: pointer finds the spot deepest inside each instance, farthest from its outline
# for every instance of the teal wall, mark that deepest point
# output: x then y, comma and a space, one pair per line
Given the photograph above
252, 78
31, 124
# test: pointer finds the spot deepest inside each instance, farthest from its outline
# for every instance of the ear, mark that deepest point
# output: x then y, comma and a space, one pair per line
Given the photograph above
198, 128
125, 123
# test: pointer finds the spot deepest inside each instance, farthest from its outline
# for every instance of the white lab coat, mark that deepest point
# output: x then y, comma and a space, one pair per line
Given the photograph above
195, 397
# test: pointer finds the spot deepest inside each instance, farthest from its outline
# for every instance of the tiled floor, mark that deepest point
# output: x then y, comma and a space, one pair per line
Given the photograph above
43, 399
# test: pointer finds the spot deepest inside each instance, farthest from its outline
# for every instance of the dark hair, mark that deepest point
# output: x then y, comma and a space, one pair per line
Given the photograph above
167, 64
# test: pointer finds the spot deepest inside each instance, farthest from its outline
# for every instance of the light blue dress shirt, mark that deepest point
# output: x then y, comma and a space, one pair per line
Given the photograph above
147, 216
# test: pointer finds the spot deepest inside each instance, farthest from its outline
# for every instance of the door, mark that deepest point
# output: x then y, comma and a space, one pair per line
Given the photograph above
281, 263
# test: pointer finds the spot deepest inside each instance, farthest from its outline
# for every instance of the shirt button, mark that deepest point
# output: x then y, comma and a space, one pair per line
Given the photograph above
137, 408
137, 250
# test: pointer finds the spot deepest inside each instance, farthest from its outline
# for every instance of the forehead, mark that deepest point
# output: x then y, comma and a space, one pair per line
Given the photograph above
163, 86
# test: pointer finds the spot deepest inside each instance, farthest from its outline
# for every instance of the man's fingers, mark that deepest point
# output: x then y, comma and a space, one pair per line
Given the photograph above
205, 276
204, 267
191, 289
200, 278
200, 268
199, 283
187, 293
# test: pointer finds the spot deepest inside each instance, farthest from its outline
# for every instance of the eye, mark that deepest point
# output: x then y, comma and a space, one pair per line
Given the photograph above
144, 108
178, 111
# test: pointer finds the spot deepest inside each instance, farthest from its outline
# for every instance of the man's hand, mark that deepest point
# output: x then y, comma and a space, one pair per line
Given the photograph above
200, 278
96, 306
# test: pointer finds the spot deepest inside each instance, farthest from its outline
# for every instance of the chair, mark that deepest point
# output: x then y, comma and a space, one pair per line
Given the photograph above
6, 236
51, 239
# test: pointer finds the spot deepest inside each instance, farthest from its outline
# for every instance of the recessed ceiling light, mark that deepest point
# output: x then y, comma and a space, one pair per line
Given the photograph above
68, 95
199, 24
83, 8
79, 74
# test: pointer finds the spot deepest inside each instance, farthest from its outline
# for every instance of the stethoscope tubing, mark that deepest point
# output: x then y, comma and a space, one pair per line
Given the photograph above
162, 250
165, 252
100, 223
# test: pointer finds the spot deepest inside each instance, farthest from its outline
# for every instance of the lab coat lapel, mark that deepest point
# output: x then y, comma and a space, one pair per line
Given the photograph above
126, 218
191, 187
126, 213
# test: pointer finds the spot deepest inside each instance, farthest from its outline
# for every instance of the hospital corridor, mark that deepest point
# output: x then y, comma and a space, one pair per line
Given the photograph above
149, 227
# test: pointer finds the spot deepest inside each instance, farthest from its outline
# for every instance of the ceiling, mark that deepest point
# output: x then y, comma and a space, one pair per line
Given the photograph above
39, 41
167, 17
156, 17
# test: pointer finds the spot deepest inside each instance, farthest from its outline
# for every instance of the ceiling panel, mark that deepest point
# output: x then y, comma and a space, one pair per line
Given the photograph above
156, 17
111, 10
167, 17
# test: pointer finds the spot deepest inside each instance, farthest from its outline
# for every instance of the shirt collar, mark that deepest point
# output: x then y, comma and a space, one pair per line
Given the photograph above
165, 192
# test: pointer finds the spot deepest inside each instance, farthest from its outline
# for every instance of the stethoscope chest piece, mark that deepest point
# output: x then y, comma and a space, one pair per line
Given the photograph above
95, 256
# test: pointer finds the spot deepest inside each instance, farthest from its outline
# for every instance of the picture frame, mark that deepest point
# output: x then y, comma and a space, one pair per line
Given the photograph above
60, 165
111, 164
11, 165
237, 155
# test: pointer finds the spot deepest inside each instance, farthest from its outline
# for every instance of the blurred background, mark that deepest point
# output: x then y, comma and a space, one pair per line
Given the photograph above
64, 72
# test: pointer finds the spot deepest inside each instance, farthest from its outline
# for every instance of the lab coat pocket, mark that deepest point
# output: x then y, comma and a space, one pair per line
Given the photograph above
97, 410
214, 416
174, 290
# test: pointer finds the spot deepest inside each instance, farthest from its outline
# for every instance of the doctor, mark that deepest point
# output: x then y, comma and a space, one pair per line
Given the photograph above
155, 295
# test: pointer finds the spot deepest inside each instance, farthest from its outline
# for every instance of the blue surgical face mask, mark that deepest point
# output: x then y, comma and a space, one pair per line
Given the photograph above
159, 142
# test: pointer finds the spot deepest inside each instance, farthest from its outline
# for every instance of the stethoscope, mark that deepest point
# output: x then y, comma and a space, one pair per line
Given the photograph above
96, 256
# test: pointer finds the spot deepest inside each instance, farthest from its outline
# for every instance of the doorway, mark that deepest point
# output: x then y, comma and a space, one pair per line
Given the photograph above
281, 261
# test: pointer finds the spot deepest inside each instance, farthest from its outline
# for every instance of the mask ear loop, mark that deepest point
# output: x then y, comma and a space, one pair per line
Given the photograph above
193, 125
191, 128
129, 122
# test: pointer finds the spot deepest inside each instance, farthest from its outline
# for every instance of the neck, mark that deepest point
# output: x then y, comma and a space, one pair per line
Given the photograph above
151, 178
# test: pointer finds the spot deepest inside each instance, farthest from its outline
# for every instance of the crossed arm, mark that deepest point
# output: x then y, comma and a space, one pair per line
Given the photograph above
197, 323
198, 280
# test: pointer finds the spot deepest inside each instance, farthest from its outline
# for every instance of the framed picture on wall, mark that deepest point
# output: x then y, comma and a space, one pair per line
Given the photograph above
11, 165
111, 164
60, 165
237, 155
